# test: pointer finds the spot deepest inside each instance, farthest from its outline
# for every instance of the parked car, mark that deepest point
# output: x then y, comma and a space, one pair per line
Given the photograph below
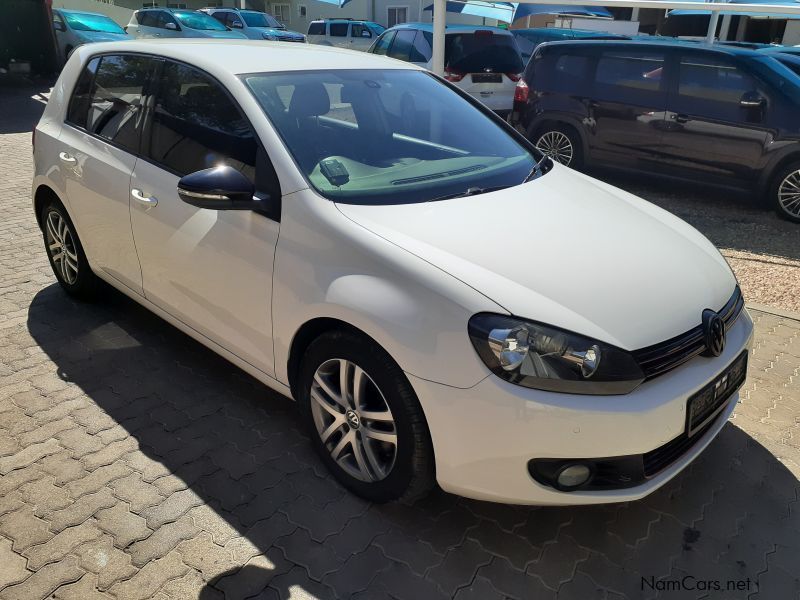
528, 39
714, 114
177, 23
254, 24
414, 303
795, 50
74, 28
483, 61
344, 33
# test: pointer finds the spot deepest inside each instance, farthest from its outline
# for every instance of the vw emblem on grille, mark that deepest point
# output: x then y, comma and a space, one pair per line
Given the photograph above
713, 333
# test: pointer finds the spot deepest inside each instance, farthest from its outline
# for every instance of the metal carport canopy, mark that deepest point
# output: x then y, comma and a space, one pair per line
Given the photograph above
440, 15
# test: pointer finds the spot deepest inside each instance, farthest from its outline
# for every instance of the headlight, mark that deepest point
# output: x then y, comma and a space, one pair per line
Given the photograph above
546, 358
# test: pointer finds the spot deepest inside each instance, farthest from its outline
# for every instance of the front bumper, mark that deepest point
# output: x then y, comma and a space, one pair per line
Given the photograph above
484, 436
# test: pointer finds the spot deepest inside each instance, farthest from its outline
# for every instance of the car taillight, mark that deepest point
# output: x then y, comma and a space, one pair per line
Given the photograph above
514, 76
521, 91
453, 76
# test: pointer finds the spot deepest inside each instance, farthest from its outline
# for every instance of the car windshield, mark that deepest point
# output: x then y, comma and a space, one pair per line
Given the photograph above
388, 136
90, 22
481, 51
257, 19
376, 28
198, 20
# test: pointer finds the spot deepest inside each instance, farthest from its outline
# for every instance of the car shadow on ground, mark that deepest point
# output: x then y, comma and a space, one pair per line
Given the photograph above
240, 448
22, 105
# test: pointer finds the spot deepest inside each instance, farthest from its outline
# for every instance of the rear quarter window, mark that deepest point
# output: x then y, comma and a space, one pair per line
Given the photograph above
316, 29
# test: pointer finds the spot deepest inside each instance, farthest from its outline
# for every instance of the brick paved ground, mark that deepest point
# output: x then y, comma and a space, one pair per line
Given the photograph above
134, 463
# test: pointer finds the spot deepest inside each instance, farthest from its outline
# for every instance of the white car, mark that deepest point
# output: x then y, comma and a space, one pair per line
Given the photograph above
485, 62
343, 33
443, 303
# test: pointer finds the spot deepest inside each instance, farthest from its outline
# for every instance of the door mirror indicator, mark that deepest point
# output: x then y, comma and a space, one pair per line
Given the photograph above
752, 100
219, 188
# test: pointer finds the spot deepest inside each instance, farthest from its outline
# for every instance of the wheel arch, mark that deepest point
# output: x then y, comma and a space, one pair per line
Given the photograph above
42, 194
768, 174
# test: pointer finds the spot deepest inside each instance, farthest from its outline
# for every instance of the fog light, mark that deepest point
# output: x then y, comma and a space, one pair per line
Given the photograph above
573, 476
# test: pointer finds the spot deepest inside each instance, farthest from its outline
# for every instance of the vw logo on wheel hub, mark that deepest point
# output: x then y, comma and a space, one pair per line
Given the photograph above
352, 419
713, 333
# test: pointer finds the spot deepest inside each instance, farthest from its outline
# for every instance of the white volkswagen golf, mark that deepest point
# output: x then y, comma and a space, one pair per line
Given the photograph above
444, 304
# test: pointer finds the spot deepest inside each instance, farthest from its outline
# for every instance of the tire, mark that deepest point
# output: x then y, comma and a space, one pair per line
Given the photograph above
65, 252
783, 193
382, 472
551, 137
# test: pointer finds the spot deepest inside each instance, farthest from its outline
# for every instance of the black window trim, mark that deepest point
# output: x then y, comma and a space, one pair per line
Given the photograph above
151, 88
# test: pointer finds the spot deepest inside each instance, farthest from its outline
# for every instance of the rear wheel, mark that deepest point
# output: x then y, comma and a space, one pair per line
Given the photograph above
560, 143
65, 252
784, 192
364, 419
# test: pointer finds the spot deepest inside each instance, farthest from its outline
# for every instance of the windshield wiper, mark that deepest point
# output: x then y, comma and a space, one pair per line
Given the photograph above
537, 168
473, 191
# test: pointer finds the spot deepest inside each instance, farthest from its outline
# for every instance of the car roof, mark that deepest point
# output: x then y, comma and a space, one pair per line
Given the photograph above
342, 20
450, 28
238, 56
659, 44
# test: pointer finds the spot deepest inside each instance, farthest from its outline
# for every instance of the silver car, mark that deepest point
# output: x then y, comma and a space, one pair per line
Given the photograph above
74, 28
177, 23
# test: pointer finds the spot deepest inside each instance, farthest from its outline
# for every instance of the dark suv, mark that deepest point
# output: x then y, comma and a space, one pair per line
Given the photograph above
716, 114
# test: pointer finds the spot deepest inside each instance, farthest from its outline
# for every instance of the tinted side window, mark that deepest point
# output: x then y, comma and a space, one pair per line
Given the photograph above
220, 16
422, 49
712, 86
358, 30
116, 99
147, 18
383, 43
339, 29
564, 72
626, 76
196, 125
401, 47
316, 29
78, 110
164, 18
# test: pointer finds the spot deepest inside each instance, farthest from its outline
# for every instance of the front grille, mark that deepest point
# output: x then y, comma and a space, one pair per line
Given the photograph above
658, 359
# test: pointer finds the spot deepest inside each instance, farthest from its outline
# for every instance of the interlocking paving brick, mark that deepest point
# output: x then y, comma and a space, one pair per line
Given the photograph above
107, 562
222, 530
28, 456
110, 453
558, 562
459, 567
83, 589
502, 543
63, 467
24, 529
513, 582
136, 492
254, 576
12, 565
208, 558
78, 512
318, 559
404, 585
419, 556
44, 581
162, 541
295, 583
125, 526
171, 509
357, 572
62, 544
11, 502
97, 479
46, 431
150, 578
481, 589
191, 585
45, 496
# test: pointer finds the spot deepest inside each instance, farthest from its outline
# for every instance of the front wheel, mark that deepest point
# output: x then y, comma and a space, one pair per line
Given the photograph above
784, 192
364, 419
65, 253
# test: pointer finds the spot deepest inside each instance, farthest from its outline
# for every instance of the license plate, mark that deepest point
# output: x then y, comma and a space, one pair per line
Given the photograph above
706, 404
487, 78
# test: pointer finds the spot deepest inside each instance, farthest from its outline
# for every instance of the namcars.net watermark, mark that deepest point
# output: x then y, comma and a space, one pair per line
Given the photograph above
691, 583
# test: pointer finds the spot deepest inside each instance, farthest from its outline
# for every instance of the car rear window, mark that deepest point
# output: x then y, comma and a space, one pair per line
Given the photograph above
481, 51
316, 29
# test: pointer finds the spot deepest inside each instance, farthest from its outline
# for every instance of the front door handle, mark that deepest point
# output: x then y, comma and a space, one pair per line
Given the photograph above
148, 201
67, 158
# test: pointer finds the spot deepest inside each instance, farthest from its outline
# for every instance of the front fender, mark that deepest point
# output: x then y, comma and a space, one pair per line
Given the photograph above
328, 266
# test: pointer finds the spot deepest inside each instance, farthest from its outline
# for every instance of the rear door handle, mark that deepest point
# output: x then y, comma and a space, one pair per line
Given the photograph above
67, 158
148, 201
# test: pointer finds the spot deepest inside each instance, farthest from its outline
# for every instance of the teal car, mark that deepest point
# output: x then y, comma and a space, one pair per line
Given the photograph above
74, 28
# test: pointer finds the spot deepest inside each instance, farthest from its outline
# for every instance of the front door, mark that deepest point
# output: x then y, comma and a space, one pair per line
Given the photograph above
715, 128
626, 113
210, 269
98, 147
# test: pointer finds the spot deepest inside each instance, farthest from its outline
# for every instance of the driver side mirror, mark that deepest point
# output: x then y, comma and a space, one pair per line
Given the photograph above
219, 188
366, 34
171, 26
59, 26
752, 100
237, 25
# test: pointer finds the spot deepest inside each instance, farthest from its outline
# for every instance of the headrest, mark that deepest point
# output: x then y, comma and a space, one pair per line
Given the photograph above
309, 100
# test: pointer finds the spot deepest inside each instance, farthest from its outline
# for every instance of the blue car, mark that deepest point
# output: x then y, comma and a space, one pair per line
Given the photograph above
74, 28
528, 39
254, 24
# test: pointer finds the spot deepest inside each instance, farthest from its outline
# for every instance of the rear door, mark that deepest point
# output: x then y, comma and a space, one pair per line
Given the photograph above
709, 133
627, 109
339, 34
98, 148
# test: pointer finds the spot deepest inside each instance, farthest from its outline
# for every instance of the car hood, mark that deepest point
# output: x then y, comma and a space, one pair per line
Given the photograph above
280, 33
570, 251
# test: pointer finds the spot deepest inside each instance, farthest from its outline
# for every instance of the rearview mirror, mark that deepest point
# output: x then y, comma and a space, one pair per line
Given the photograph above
171, 26
752, 100
218, 188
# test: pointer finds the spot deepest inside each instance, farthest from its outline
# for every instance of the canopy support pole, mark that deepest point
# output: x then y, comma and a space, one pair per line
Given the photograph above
439, 19
712, 28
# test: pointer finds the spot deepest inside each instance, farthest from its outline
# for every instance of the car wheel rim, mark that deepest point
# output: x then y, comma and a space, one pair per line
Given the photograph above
557, 146
353, 420
789, 194
61, 247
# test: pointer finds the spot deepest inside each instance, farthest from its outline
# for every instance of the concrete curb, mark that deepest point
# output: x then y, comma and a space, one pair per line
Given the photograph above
778, 312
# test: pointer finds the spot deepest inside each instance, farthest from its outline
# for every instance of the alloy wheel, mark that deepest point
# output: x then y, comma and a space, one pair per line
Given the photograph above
557, 146
61, 247
789, 194
353, 420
